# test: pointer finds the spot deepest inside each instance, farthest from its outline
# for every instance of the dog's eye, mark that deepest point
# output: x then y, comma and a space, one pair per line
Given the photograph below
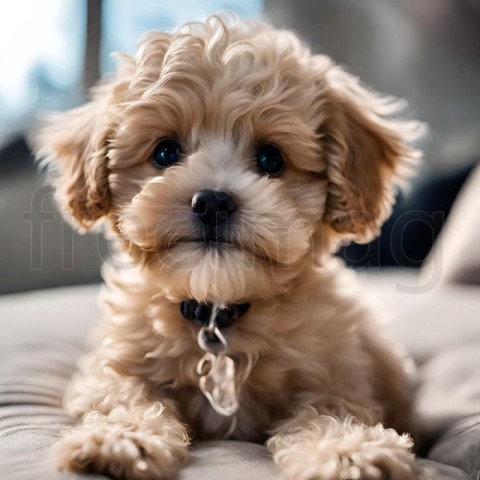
269, 160
166, 153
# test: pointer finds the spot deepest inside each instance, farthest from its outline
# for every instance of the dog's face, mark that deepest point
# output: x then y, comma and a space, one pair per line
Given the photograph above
225, 156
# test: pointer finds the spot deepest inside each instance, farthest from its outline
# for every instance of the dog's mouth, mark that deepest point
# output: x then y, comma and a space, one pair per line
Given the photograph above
222, 245
214, 235
220, 238
218, 243
187, 243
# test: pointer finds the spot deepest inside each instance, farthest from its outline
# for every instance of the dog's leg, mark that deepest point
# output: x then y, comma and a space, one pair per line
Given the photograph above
122, 432
311, 446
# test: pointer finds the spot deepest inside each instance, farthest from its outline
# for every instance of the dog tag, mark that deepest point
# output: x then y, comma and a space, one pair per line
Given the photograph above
217, 382
216, 370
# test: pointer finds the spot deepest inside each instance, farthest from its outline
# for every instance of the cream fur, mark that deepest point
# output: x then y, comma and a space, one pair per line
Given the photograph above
317, 378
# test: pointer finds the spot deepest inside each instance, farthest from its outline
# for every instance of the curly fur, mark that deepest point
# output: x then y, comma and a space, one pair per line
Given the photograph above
317, 378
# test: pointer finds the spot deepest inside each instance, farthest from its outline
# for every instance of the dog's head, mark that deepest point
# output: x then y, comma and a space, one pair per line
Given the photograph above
224, 154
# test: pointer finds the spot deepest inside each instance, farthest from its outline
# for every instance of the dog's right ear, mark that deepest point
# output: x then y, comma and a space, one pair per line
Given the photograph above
74, 145
74, 148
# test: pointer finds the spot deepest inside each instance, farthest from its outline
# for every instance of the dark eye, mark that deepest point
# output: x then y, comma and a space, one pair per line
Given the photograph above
166, 153
269, 160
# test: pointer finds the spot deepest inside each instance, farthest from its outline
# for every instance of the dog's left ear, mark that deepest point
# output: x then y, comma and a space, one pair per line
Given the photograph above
366, 151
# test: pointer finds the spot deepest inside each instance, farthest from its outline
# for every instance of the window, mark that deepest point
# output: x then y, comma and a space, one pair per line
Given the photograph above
42, 46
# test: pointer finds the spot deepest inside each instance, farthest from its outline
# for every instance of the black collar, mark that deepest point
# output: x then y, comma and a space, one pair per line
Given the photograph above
201, 312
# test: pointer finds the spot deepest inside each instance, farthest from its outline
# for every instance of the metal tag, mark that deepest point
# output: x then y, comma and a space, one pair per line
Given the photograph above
217, 383
216, 369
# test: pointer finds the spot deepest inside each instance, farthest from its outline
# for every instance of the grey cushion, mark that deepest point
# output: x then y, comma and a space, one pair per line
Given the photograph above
43, 333
456, 254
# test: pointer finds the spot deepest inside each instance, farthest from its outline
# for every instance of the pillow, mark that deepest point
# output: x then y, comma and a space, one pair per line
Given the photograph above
43, 333
455, 256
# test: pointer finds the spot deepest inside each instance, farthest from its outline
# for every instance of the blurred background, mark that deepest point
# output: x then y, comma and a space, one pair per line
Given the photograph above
51, 52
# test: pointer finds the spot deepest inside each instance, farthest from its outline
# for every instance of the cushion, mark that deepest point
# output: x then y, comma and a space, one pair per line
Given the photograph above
43, 333
456, 254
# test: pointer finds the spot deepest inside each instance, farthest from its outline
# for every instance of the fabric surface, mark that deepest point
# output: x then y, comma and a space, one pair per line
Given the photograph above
457, 250
43, 333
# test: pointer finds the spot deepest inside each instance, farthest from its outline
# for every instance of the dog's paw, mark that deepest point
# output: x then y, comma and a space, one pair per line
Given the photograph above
376, 463
121, 453
363, 453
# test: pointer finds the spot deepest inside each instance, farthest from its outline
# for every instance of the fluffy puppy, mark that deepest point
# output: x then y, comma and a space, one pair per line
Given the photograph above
228, 162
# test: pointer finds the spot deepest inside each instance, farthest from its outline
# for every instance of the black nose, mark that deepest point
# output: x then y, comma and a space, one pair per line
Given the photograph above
213, 207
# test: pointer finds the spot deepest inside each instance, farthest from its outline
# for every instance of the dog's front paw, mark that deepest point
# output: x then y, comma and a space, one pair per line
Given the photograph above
361, 453
124, 453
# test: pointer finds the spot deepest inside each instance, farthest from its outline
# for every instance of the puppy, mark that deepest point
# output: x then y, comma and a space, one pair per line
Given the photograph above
227, 163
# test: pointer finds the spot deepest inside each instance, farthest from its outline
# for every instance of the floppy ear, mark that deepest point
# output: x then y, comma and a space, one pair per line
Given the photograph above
367, 154
74, 147
75, 144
